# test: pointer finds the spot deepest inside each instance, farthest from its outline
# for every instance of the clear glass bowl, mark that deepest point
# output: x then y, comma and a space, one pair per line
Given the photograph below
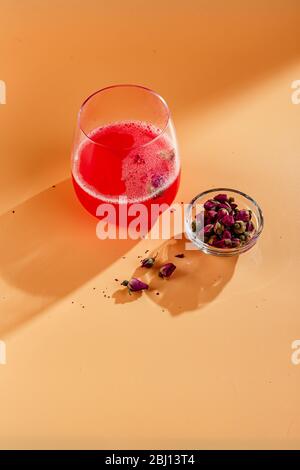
244, 202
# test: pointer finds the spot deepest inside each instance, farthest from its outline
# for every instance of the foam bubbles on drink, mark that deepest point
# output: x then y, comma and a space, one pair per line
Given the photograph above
149, 164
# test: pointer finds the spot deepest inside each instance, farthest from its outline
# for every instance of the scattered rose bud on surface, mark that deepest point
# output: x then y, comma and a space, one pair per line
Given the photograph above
180, 255
134, 285
166, 270
148, 262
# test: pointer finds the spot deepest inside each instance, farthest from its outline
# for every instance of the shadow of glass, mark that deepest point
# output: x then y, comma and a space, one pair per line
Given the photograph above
197, 280
49, 249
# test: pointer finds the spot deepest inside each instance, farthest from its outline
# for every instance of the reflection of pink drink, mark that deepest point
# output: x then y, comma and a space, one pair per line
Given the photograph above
130, 159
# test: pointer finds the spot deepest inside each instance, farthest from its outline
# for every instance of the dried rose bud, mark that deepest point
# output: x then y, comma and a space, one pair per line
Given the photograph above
212, 239
208, 220
235, 242
221, 198
243, 215
211, 215
228, 220
231, 200
148, 262
245, 236
166, 270
180, 255
222, 213
134, 285
157, 181
239, 227
226, 235
250, 226
227, 242
210, 205
225, 205
233, 205
208, 229
218, 228
194, 226
219, 243
223, 243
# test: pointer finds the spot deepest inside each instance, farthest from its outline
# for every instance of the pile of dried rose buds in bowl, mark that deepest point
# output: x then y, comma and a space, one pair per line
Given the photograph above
223, 223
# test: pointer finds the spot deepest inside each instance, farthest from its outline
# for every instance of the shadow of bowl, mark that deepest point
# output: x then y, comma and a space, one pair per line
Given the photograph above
197, 280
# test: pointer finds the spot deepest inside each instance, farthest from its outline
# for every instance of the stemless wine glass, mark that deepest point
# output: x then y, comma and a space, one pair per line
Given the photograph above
125, 150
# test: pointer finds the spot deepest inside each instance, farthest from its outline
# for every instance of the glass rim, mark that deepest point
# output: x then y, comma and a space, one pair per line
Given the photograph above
205, 247
125, 85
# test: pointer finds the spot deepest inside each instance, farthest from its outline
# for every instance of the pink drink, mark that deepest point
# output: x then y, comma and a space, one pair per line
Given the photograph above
124, 163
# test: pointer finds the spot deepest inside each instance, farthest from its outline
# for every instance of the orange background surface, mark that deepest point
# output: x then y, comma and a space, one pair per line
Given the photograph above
207, 363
